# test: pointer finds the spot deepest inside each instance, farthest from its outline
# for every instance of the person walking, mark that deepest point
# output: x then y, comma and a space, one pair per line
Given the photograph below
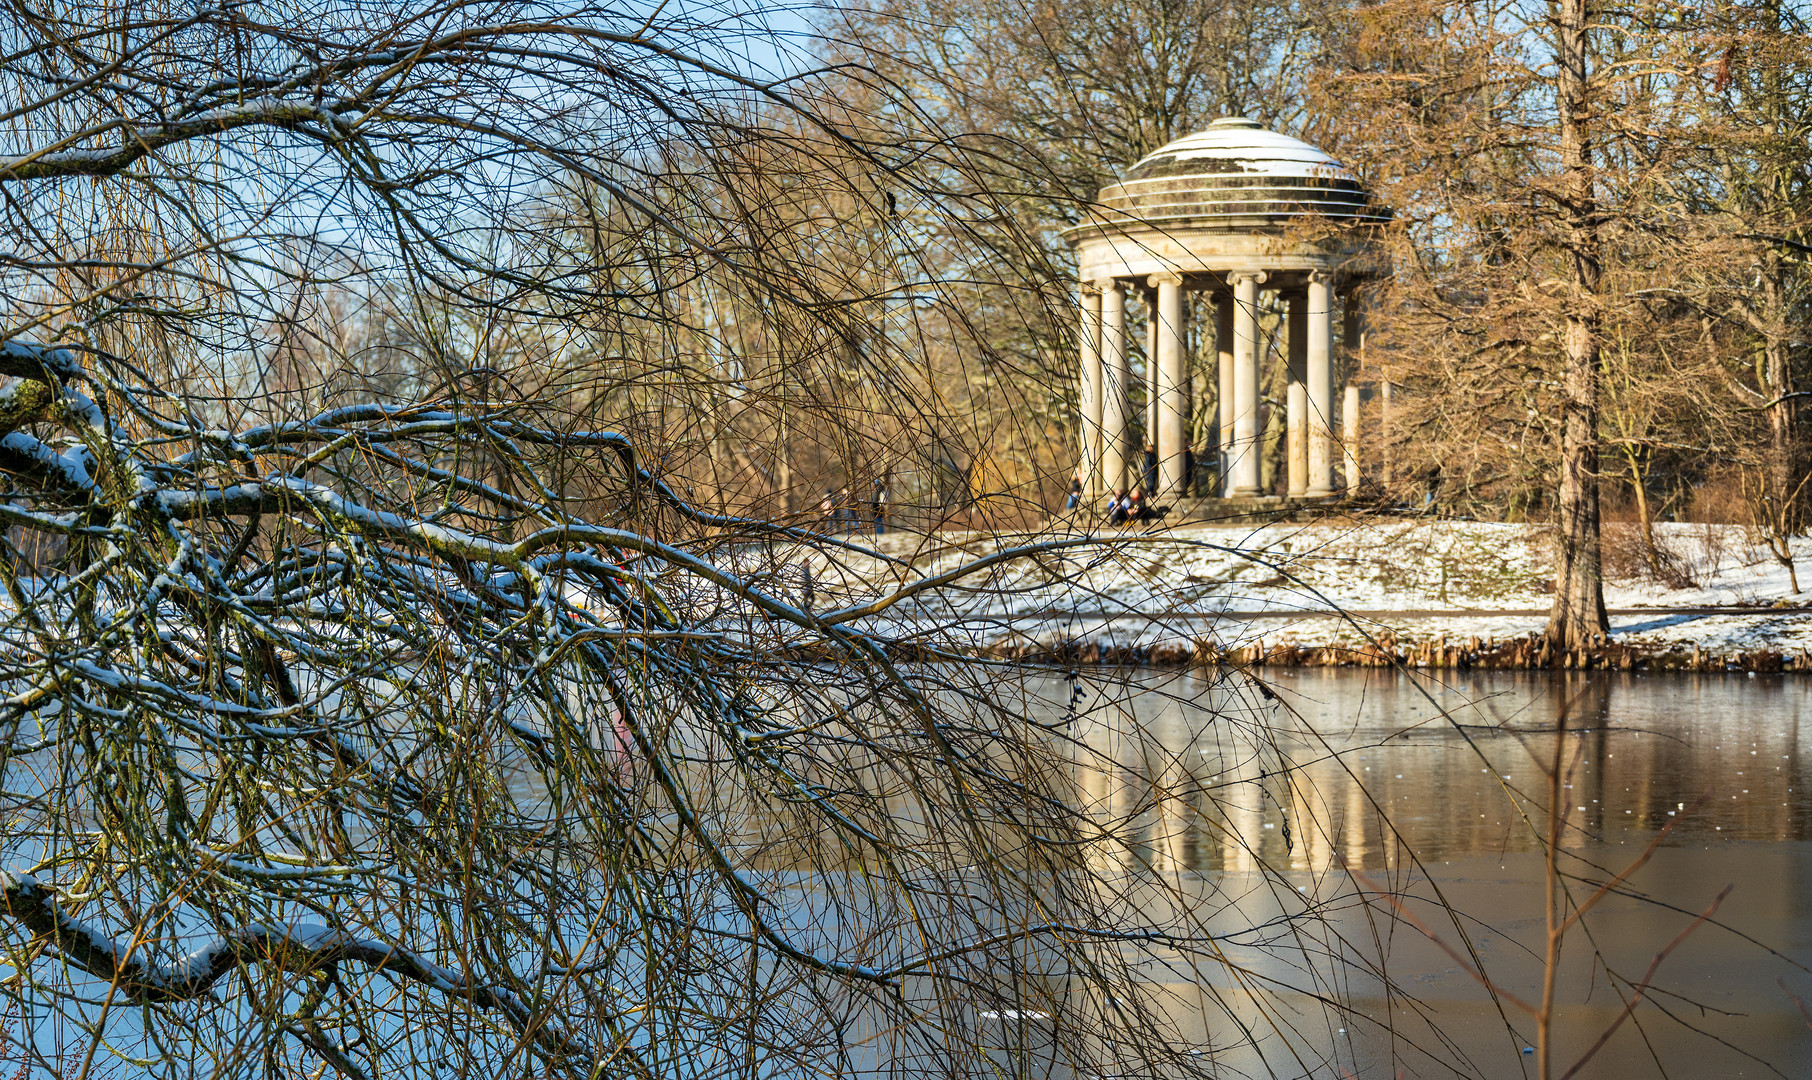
828, 508
877, 506
1075, 498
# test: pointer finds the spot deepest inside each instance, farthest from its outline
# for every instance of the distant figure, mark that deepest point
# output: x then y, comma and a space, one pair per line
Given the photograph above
1149, 476
846, 509
828, 507
620, 750
877, 507
1075, 498
1117, 507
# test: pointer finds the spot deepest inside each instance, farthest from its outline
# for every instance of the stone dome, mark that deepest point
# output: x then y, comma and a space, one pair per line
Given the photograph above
1237, 175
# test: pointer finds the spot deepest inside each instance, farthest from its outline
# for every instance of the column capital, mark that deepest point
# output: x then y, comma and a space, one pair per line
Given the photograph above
1239, 277
1169, 277
1108, 284
1321, 277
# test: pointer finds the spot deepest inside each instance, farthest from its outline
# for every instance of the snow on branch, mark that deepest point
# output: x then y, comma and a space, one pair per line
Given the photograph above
29, 360
299, 948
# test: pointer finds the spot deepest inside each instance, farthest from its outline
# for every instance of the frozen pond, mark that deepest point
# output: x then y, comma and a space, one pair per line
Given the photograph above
1371, 776
1272, 821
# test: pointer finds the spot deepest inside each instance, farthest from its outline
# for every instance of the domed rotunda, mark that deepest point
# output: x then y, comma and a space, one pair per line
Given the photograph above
1227, 212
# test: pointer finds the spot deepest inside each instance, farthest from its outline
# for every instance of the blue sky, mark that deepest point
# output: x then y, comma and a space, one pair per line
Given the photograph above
763, 40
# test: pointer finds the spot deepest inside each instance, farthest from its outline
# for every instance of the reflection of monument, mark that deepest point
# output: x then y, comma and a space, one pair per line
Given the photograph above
1230, 212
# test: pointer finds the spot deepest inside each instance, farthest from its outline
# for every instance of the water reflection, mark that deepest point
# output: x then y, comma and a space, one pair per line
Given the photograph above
1202, 774
1248, 804
1437, 792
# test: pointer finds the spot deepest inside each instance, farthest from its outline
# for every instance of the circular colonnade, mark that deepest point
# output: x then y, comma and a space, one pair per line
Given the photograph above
1227, 213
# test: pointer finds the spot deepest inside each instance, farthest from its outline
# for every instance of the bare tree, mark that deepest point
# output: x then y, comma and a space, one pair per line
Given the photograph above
1079, 92
1746, 187
384, 703
1541, 169
1052, 102
1578, 614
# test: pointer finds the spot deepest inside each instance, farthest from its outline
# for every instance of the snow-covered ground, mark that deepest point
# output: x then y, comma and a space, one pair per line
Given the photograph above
1413, 580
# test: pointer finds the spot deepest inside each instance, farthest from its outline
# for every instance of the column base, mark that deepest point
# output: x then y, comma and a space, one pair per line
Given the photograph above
1246, 493
1320, 492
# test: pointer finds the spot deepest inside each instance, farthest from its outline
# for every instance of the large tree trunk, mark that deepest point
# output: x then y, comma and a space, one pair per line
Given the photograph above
1578, 614
1786, 456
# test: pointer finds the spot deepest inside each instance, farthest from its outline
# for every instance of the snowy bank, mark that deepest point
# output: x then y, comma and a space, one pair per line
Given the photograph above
1334, 588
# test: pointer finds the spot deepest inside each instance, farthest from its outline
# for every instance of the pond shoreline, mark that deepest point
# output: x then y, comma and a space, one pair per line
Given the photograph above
1444, 594
1525, 653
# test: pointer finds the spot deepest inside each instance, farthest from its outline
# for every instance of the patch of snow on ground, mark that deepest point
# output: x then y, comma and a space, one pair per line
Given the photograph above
1415, 580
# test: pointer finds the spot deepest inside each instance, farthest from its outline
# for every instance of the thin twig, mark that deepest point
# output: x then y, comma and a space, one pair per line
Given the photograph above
1478, 976
1647, 853
1642, 987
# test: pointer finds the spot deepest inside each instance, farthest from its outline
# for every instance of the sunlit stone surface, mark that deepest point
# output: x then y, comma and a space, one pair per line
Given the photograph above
1234, 203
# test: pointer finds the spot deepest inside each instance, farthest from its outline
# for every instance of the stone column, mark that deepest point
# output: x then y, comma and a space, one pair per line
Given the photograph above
1173, 409
1349, 435
1088, 334
1349, 413
1296, 418
1116, 374
1296, 439
1320, 385
1151, 388
1223, 393
1245, 384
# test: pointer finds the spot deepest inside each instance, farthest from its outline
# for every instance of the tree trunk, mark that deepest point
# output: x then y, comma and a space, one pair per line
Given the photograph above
1787, 471
1578, 614
1786, 464
1639, 488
